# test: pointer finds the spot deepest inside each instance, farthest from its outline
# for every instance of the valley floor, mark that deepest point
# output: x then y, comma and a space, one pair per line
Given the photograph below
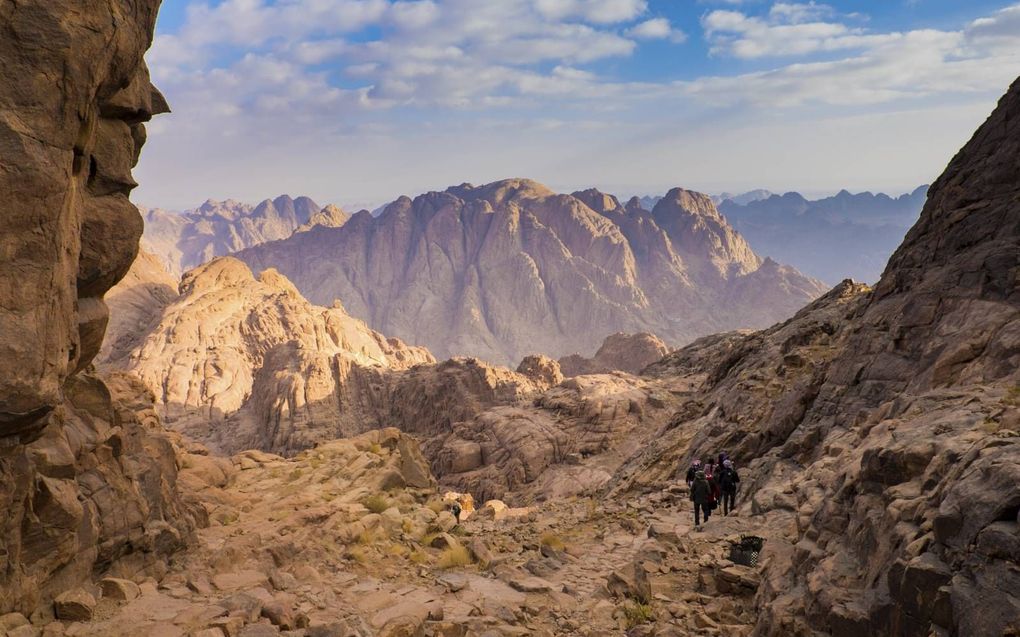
292, 550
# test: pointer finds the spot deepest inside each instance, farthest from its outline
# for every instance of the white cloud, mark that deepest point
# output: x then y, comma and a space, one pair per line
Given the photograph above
249, 79
598, 11
790, 30
796, 13
656, 29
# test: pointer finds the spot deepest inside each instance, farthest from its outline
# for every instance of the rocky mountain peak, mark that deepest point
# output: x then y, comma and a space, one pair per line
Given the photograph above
634, 205
598, 201
511, 268
498, 193
681, 200
696, 227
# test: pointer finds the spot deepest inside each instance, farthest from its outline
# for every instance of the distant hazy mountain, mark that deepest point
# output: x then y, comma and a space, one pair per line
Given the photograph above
744, 198
512, 268
183, 240
838, 237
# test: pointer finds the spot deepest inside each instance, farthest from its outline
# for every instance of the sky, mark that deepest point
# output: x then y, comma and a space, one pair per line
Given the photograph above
356, 102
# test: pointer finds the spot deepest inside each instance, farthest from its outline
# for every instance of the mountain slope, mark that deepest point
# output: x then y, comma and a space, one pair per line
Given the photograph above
135, 303
231, 341
880, 429
510, 268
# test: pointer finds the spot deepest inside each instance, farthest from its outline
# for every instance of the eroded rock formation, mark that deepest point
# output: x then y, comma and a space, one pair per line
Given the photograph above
629, 353
87, 482
290, 373
135, 303
511, 268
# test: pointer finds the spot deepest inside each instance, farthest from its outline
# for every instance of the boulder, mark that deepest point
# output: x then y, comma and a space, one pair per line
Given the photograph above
119, 589
75, 605
631, 582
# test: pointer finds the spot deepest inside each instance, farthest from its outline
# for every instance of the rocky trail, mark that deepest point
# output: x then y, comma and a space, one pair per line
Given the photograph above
293, 549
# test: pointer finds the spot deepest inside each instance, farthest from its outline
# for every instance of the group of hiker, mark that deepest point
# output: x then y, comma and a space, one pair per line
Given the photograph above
711, 482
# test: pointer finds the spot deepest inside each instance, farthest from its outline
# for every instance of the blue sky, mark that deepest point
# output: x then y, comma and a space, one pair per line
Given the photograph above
359, 101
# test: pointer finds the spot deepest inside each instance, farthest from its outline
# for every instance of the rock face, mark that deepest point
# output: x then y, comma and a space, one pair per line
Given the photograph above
290, 373
629, 353
510, 268
87, 483
136, 303
880, 430
184, 240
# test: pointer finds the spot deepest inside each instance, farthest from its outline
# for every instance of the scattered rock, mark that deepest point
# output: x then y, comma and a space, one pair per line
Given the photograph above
75, 605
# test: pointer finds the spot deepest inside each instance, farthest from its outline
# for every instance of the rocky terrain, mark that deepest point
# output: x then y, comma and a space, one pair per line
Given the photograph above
285, 372
881, 426
352, 539
184, 240
877, 430
834, 238
511, 268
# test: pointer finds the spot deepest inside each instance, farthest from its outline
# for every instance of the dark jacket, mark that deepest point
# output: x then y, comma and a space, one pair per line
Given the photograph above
728, 480
701, 491
690, 474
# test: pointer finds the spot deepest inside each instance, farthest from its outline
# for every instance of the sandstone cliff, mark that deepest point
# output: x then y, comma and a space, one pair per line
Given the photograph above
507, 269
184, 240
87, 481
231, 342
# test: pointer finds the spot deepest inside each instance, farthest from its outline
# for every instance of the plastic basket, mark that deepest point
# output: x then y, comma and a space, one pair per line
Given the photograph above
747, 551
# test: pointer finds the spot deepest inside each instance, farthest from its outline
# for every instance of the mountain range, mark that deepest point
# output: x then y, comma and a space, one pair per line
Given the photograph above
506, 269
834, 238
184, 240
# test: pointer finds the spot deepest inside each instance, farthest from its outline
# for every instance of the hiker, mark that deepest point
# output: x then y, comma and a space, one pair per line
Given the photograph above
714, 493
455, 510
701, 491
729, 481
694, 468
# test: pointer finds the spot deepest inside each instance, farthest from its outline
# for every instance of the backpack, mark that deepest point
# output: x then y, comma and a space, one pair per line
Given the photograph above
728, 479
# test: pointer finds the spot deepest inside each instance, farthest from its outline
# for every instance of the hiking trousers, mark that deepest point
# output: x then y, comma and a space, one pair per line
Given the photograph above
729, 502
698, 508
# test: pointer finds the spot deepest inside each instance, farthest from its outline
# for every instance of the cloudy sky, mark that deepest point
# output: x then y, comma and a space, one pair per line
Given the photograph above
359, 101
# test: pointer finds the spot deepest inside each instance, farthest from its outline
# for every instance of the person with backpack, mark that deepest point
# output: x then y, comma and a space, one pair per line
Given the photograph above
701, 492
713, 483
694, 468
729, 482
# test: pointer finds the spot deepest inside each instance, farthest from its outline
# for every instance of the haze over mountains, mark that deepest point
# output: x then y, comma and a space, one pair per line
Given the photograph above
512, 268
834, 238
184, 240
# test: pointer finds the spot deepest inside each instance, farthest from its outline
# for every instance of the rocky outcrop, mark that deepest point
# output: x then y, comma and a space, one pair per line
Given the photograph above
184, 240
629, 353
87, 481
135, 303
565, 441
288, 372
880, 430
511, 268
